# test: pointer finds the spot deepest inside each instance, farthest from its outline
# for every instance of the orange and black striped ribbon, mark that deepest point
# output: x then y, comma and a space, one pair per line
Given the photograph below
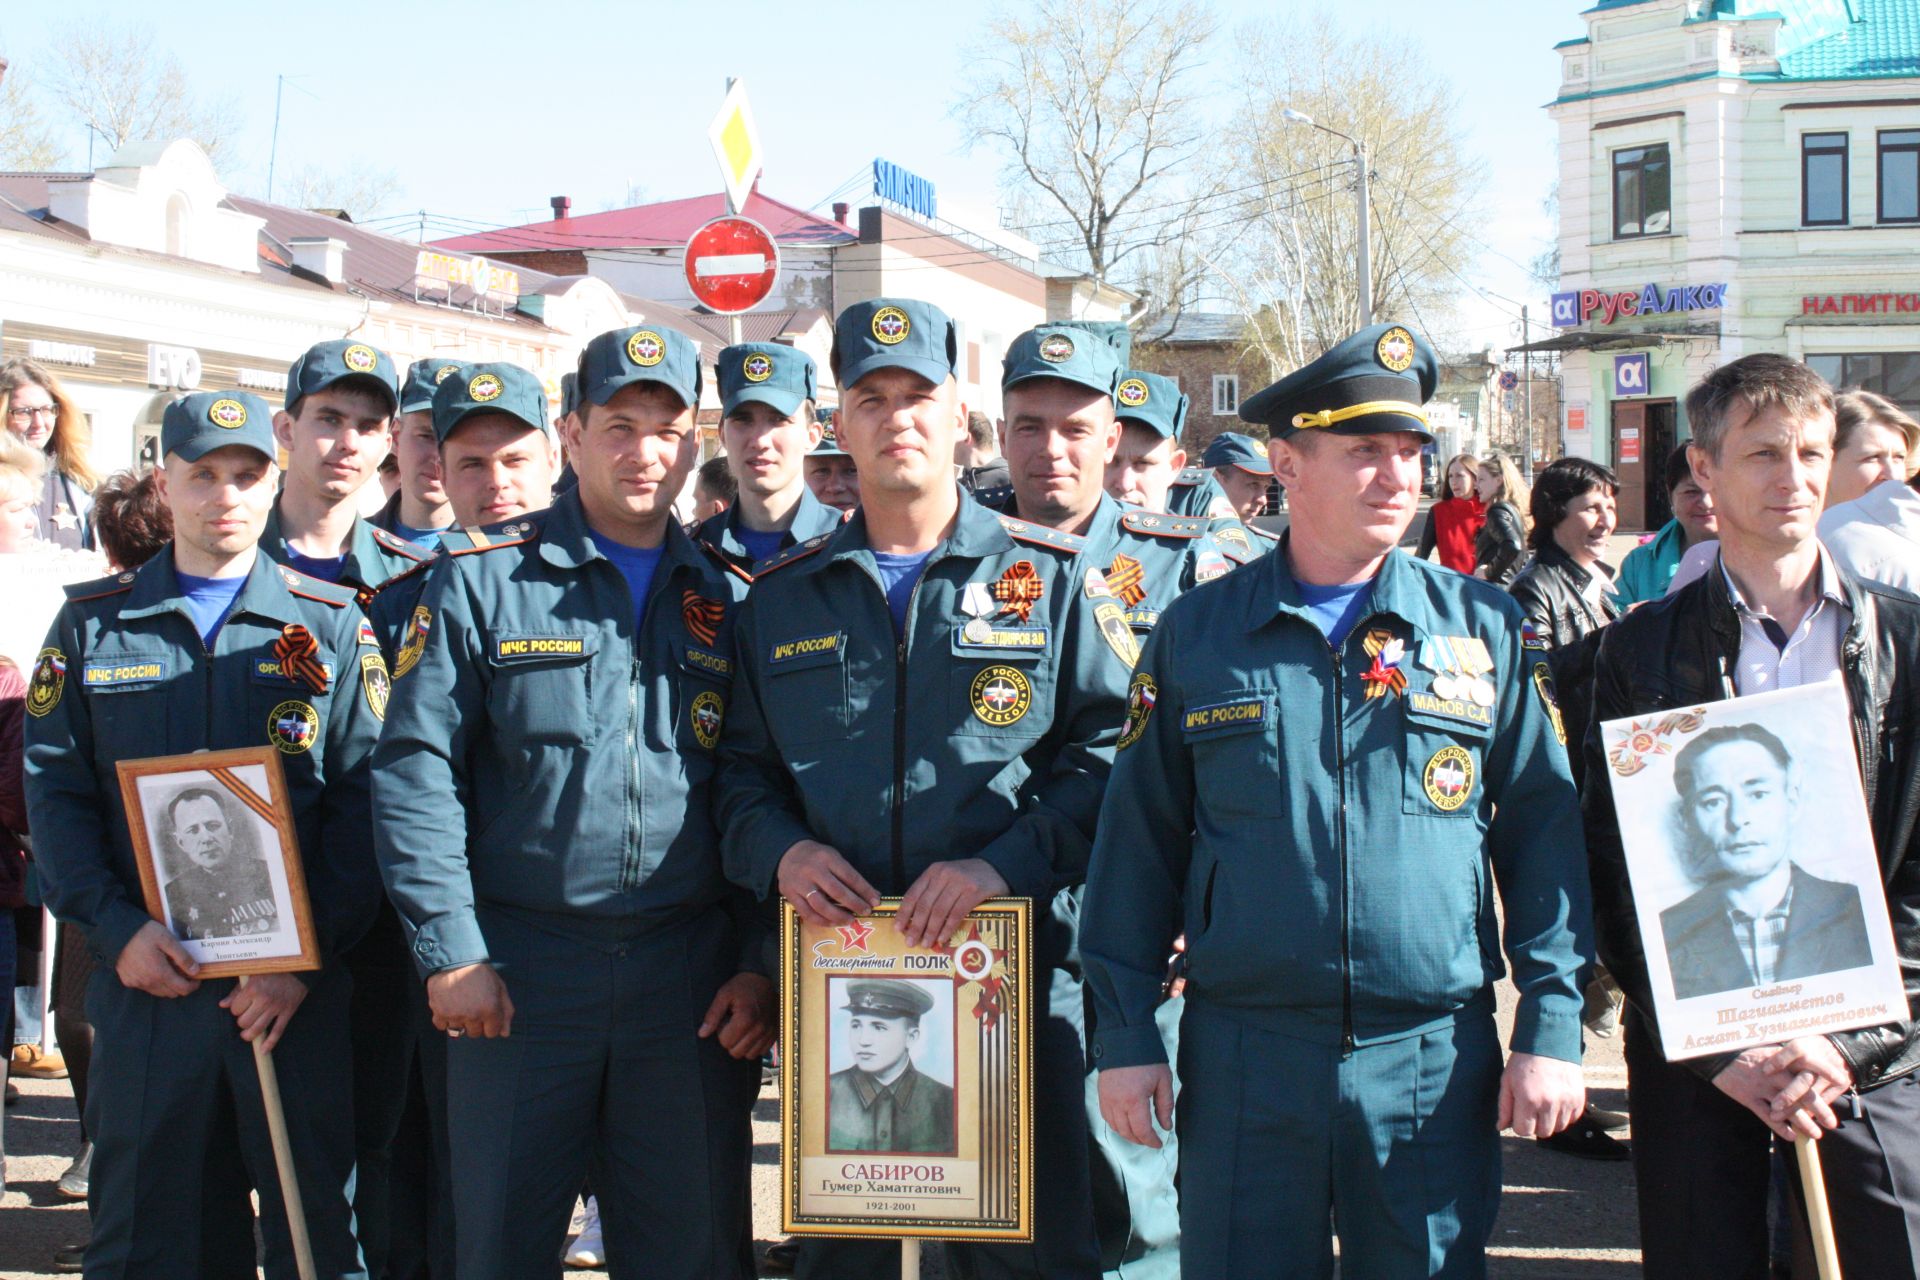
1127, 579
702, 617
242, 792
299, 655
1019, 589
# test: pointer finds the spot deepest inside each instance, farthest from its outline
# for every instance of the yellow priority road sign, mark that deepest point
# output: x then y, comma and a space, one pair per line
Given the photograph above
736, 144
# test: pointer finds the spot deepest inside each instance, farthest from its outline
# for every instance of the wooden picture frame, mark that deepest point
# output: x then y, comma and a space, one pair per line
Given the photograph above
237, 899
946, 1151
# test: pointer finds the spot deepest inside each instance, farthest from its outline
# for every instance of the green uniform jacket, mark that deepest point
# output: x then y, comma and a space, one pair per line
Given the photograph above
915, 1115
136, 681
540, 756
1193, 493
716, 537
374, 556
903, 753
1331, 856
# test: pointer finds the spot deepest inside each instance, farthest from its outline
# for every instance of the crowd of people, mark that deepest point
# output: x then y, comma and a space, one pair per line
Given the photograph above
572, 713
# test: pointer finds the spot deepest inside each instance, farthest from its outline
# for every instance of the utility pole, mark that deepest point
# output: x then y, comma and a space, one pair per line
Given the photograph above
1526, 355
273, 148
1366, 235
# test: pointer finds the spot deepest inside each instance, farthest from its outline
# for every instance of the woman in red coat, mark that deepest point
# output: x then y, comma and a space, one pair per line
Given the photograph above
1455, 520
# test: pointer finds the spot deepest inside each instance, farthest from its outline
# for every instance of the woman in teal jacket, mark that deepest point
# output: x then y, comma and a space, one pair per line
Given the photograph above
1649, 567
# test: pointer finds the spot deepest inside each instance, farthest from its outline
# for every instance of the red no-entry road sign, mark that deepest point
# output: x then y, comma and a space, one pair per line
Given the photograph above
731, 264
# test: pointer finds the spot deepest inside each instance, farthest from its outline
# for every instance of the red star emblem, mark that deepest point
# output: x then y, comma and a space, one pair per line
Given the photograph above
853, 937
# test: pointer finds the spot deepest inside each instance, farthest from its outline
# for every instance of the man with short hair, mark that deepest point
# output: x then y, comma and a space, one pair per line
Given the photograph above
714, 490
209, 892
1327, 829
1772, 612
418, 510
1240, 467
545, 835
1758, 917
337, 426
208, 646
832, 475
981, 466
1152, 412
963, 696
767, 428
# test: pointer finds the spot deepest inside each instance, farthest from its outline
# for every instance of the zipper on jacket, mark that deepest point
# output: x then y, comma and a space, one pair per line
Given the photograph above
1340, 847
629, 871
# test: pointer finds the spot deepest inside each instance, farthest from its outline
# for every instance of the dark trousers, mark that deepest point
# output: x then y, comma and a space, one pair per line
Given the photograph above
1064, 1247
603, 1072
179, 1130
1702, 1160
420, 1243
1393, 1143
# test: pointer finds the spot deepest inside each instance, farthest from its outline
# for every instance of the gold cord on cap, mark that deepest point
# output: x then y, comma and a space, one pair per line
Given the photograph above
1331, 417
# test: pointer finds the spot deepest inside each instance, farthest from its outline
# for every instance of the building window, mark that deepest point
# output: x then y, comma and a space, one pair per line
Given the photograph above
1823, 179
1900, 175
1226, 394
1642, 192
1893, 374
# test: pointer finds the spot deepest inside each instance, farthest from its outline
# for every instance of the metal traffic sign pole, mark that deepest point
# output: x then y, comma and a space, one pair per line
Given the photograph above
736, 145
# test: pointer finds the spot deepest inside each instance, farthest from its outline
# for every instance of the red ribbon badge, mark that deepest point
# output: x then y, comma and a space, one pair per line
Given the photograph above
1387, 652
1019, 589
703, 617
974, 961
299, 655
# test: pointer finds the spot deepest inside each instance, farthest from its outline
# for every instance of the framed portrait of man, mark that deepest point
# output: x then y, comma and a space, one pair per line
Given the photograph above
1755, 879
219, 861
906, 1102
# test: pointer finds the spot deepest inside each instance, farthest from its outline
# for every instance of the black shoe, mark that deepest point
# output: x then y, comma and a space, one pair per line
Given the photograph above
1611, 1121
13, 1093
1588, 1140
781, 1258
70, 1258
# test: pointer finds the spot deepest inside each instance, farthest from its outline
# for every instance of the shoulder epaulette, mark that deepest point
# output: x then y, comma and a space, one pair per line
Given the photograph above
510, 533
400, 546
1042, 536
1191, 476
1232, 538
798, 551
1263, 535
1158, 524
996, 498
418, 567
98, 587
720, 558
327, 593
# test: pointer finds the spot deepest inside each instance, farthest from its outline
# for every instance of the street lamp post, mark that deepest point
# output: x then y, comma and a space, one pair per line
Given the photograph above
1526, 357
1366, 208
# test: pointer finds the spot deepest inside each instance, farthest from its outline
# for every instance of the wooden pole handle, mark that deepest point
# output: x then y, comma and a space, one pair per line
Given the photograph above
1819, 1219
283, 1159
909, 1260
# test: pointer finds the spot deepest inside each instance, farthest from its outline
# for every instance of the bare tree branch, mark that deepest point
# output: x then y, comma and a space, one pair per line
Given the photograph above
119, 82
27, 141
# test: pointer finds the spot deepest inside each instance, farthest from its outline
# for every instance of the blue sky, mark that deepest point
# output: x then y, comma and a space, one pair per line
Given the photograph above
484, 117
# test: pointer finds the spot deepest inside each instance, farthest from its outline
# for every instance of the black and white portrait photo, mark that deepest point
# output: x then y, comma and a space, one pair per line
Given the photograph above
891, 1054
215, 883
1755, 879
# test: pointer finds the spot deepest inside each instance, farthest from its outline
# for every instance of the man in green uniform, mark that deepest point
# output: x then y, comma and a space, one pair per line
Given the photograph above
1331, 758
545, 833
211, 893
923, 709
832, 476
883, 1102
418, 510
766, 403
210, 645
337, 426
1152, 410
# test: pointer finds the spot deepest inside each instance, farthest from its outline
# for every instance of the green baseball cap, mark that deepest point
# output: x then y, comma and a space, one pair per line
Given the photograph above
640, 354
1056, 351
770, 372
342, 360
489, 388
196, 425
893, 333
423, 379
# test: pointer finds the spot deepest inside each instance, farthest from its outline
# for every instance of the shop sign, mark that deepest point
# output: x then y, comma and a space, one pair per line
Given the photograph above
1631, 375
73, 353
1860, 304
172, 368
482, 277
908, 190
1581, 305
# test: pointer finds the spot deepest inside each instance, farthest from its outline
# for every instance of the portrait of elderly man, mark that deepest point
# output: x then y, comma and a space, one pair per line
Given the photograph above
883, 1102
219, 887
1758, 917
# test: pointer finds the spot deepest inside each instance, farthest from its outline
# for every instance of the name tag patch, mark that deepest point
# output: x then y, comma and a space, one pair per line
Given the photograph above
807, 649
701, 660
1238, 716
1457, 710
981, 634
103, 675
514, 648
270, 670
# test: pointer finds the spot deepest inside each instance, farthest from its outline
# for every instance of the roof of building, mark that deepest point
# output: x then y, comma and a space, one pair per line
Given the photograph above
1884, 40
665, 224
1193, 326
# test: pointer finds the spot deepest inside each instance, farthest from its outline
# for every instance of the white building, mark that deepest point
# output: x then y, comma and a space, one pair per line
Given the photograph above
1735, 176
147, 278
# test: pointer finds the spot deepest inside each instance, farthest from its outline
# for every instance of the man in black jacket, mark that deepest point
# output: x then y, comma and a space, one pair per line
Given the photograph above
1775, 612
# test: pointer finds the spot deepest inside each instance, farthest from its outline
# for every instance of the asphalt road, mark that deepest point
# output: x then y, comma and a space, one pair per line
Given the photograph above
1562, 1218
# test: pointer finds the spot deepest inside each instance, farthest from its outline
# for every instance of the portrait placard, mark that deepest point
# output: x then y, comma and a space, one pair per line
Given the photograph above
1755, 881
219, 859
906, 1094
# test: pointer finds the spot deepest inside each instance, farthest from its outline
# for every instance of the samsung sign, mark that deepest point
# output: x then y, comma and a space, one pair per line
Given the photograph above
908, 190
